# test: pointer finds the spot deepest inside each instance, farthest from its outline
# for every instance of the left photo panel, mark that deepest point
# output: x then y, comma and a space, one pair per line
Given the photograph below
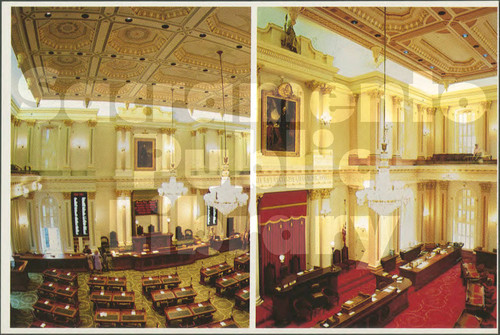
130, 167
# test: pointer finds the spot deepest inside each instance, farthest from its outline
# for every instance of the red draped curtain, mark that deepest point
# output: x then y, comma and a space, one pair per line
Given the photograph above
282, 229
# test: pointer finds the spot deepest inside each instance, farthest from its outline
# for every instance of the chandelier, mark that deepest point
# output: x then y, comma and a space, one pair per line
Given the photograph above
384, 196
173, 189
225, 197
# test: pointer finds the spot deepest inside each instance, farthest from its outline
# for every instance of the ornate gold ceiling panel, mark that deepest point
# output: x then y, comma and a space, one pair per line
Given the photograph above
446, 44
136, 54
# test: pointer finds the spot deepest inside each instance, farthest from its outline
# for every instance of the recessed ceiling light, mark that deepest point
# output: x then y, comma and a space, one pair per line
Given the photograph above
165, 26
205, 70
485, 55
173, 64
85, 16
378, 35
354, 22
98, 95
493, 63
57, 93
140, 98
128, 19
142, 58
113, 55
77, 78
77, 94
118, 96
54, 77
432, 66
475, 46
420, 60
405, 52
127, 81
104, 79
239, 46
241, 99
181, 87
441, 12
206, 91
465, 35
153, 83
51, 52
48, 14
203, 35
79, 53
442, 73
233, 76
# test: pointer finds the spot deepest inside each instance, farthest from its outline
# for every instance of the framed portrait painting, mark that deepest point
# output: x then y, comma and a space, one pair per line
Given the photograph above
144, 154
280, 122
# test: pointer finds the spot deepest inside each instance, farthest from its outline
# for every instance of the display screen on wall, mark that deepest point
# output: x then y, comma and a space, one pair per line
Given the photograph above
79, 213
211, 216
146, 207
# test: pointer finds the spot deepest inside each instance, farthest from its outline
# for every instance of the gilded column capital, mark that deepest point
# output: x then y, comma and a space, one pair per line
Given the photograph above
326, 89
220, 131
168, 131
31, 123
421, 186
420, 108
354, 98
396, 99
31, 196
92, 123
486, 105
15, 121
244, 134
91, 195
314, 194
123, 193
430, 185
443, 184
325, 193
485, 187
193, 132
431, 110
66, 195
313, 84
68, 123
201, 130
376, 93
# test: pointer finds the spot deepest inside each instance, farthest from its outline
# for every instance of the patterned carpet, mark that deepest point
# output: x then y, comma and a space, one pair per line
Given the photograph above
22, 301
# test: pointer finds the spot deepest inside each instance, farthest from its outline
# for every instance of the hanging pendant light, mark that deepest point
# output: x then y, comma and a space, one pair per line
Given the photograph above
173, 189
383, 195
225, 197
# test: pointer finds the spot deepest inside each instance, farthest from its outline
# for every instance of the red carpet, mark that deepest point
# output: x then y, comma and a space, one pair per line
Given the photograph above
436, 305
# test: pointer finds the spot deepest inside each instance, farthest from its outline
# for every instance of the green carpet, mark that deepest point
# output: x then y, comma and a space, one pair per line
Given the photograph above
21, 302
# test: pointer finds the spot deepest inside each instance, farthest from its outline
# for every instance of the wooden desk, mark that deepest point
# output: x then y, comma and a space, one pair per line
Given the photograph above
133, 318
179, 316
226, 284
298, 285
43, 308
123, 300
45, 324
59, 292
19, 279
202, 311
214, 271
107, 317
184, 294
430, 268
242, 298
407, 255
368, 311
116, 283
227, 323
170, 281
151, 283
487, 258
162, 298
383, 278
61, 276
40, 262
227, 244
66, 313
155, 241
97, 282
388, 262
474, 301
101, 299
242, 262
469, 272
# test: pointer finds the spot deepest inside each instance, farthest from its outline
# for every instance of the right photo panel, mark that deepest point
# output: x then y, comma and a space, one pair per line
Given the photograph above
376, 174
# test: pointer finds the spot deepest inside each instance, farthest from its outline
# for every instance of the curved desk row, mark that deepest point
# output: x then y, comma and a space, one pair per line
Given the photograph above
165, 257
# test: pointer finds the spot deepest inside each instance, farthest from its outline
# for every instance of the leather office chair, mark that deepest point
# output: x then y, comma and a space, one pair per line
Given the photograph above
331, 296
113, 240
294, 264
105, 242
303, 309
188, 234
269, 278
318, 299
337, 260
345, 258
178, 233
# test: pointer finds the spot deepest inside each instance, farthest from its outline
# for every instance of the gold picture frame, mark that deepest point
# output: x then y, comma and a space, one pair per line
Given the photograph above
144, 158
280, 122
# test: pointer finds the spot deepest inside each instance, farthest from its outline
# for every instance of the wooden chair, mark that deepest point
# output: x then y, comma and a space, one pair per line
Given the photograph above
345, 258
337, 261
303, 309
188, 234
294, 264
269, 278
318, 299
331, 296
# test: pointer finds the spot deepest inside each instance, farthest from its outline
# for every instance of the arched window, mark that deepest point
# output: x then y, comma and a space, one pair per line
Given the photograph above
465, 218
51, 237
466, 137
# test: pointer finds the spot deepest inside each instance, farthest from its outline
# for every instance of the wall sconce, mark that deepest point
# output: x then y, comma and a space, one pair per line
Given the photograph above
325, 207
494, 128
426, 131
22, 142
325, 118
332, 244
282, 259
26, 191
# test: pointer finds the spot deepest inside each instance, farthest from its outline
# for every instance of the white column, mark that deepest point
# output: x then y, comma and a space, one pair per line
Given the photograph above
92, 124
120, 148
315, 222
68, 223
129, 146
91, 220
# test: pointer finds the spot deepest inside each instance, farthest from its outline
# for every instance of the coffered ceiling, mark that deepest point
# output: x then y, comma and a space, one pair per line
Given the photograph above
446, 44
136, 54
